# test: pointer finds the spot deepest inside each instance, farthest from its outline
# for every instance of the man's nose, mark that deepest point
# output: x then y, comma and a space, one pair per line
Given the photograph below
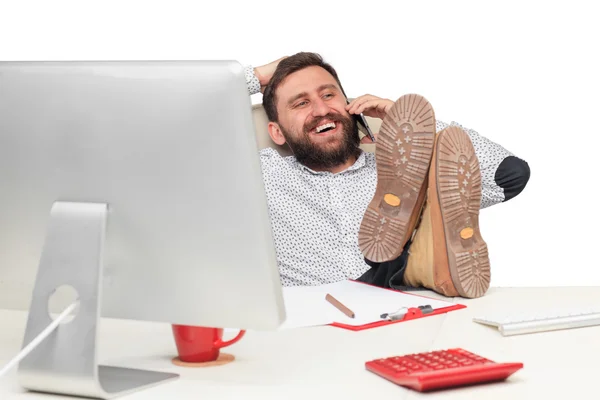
320, 108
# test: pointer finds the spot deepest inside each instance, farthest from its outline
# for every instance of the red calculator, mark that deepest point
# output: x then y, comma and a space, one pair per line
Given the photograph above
440, 369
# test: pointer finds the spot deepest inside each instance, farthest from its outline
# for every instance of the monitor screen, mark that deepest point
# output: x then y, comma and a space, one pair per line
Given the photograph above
170, 148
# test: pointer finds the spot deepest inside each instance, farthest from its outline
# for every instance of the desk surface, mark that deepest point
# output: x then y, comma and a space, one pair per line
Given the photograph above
328, 362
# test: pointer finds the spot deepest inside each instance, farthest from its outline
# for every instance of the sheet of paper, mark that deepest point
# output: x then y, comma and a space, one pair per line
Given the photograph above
306, 305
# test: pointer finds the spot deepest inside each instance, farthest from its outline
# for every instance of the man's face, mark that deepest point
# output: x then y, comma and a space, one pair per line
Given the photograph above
314, 121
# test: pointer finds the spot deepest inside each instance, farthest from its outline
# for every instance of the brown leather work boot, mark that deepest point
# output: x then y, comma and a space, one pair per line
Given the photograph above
403, 153
420, 265
448, 254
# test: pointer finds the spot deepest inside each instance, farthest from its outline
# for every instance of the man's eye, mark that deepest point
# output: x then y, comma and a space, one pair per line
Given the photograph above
302, 103
328, 95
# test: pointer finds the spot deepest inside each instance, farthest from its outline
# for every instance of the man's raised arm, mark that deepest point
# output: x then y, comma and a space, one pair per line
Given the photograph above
258, 78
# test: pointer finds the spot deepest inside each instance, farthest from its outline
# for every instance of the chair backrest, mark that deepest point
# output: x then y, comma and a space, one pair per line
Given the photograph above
264, 140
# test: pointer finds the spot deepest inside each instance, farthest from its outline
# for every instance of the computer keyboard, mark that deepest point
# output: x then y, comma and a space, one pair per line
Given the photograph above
441, 369
522, 324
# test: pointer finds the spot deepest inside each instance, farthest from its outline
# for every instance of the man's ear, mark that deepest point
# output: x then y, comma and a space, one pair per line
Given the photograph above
275, 133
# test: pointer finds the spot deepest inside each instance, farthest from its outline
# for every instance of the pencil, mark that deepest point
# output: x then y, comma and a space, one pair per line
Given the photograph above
339, 306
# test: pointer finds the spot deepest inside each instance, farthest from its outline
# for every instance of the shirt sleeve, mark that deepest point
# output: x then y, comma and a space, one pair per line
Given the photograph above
251, 80
490, 155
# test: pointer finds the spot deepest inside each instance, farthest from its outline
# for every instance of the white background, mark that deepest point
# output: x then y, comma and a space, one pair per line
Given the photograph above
522, 73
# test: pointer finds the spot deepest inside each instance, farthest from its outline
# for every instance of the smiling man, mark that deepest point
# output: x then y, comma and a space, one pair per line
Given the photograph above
313, 120
339, 213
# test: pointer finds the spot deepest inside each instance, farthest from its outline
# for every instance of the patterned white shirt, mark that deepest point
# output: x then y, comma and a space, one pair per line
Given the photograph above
316, 216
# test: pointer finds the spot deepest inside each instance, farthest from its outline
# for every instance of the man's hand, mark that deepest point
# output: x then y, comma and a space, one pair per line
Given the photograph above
371, 106
264, 73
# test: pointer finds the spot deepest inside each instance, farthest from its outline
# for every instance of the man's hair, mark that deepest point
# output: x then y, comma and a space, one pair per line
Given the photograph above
286, 67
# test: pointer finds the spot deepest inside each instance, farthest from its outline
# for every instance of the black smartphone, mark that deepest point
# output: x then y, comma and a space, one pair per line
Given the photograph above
363, 126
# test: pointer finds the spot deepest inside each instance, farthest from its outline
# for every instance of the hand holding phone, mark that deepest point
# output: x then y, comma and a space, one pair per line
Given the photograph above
363, 126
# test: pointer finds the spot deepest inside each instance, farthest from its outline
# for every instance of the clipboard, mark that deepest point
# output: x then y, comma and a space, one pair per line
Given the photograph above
413, 313
307, 306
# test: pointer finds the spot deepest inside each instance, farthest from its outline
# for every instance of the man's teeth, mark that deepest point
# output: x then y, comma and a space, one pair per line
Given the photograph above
323, 127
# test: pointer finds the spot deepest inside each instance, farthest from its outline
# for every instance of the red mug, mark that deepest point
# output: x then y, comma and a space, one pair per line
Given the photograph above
197, 344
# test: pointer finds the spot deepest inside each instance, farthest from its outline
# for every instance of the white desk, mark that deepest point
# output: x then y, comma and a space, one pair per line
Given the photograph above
327, 362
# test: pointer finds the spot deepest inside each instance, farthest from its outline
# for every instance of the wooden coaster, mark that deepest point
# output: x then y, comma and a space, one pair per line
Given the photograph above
223, 359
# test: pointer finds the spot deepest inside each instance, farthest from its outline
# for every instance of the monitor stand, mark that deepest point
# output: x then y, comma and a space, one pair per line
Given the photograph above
65, 362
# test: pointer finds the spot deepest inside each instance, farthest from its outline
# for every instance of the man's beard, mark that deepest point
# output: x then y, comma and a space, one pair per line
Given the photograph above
321, 155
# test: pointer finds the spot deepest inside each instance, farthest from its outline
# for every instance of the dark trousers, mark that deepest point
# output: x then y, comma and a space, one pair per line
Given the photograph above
389, 274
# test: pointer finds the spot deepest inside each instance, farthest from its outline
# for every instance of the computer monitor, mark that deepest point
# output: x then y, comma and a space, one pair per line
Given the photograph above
170, 148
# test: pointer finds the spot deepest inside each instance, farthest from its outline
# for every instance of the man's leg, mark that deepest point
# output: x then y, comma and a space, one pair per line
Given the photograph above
404, 149
447, 253
415, 268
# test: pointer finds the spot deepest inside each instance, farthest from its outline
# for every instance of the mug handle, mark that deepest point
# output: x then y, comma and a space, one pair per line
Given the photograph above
220, 344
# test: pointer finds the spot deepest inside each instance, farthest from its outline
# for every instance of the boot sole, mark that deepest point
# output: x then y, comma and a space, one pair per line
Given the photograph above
458, 245
403, 154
